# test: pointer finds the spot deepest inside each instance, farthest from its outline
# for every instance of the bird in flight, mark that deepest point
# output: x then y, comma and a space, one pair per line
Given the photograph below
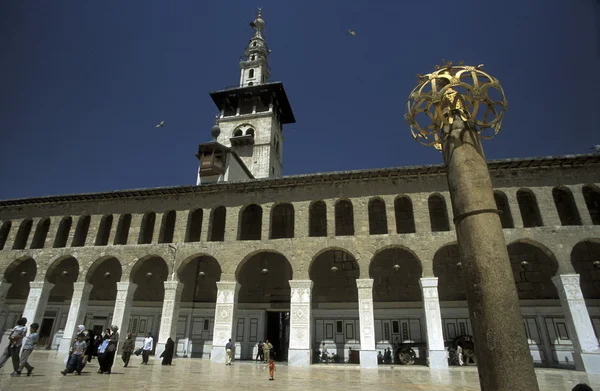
596, 148
351, 32
160, 124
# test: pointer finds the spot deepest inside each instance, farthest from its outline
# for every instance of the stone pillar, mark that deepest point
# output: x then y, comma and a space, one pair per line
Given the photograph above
547, 207
90, 239
266, 221
390, 213
36, 301
301, 219
134, 228
113, 229
206, 217
299, 354
181, 225
421, 212
587, 352
232, 222
81, 294
170, 314
368, 354
122, 311
330, 212
515, 211
4, 287
438, 358
582, 208
227, 296
157, 227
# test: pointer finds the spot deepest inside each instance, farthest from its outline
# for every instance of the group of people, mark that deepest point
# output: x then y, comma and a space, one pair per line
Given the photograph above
15, 343
264, 351
264, 354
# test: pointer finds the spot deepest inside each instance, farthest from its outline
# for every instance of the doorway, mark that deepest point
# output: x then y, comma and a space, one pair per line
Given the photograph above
278, 333
45, 332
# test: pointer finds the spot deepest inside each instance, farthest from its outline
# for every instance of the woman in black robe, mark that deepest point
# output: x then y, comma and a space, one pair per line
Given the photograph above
167, 355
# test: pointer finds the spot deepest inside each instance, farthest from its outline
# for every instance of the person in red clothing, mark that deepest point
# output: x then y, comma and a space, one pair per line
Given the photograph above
271, 368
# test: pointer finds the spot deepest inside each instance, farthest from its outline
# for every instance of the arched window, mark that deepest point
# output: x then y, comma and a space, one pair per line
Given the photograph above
377, 217
250, 132
167, 227
62, 234
317, 219
81, 231
591, 194
217, 224
4, 230
503, 209
254, 43
528, 206
194, 226
252, 57
344, 218
41, 232
405, 219
238, 133
438, 213
282, 221
565, 206
104, 230
147, 228
251, 73
251, 223
123, 226
23, 234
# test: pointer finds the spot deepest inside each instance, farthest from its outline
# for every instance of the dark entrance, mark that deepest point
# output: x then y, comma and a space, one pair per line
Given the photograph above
45, 331
278, 333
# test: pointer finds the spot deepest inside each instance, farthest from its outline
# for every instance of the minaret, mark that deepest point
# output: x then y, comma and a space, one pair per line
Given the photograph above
252, 115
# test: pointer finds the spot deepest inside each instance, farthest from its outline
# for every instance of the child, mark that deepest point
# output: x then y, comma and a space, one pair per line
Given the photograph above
28, 347
271, 368
14, 346
76, 359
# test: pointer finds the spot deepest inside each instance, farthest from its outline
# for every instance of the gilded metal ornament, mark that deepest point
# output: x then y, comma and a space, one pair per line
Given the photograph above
450, 91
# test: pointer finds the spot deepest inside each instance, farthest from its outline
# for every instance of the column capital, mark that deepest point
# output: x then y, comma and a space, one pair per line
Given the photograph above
126, 286
428, 282
84, 287
562, 280
364, 283
41, 285
173, 285
301, 284
228, 285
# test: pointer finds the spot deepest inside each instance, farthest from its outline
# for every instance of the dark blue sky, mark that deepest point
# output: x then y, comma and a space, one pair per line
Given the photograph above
83, 83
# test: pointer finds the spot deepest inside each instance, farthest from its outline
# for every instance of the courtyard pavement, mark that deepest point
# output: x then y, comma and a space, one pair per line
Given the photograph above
248, 376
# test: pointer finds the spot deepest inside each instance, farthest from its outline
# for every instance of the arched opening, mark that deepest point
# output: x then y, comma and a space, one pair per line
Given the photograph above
199, 276
377, 217
282, 221
19, 274
583, 256
438, 213
62, 234
447, 268
217, 224
104, 230
334, 274
63, 272
41, 233
4, 231
23, 234
317, 219
251, 73
194, 226
103, 275
405, 220
238, 133
565, 206
503, 209
81, 231
250, 132
150, 274
591, 194
147, 228
251, 223
533, 269
530, 212
123, 226
395, 273
167, 227
344, 218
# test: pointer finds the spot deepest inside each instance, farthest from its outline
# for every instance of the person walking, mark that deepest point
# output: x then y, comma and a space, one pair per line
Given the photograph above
128, 347
28, 347
267, 350
76, 358
229, 352
147, 348
111, 349
167, 354
14, 346
271, 369
260, 355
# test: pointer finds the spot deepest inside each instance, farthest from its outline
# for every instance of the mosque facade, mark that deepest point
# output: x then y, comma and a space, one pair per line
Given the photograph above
356, 261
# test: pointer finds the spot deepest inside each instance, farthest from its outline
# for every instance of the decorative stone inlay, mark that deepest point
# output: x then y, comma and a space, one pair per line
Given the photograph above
433, 318
300, 314
365, 303
170, 312
225, 312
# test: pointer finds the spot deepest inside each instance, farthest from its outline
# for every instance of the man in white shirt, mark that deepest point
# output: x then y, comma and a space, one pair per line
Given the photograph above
147, 348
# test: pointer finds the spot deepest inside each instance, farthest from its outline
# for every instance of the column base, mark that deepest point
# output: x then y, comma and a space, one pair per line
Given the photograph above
438, 359
299, 357
588, 362
368, 359
160, 347
217, 354
64, 346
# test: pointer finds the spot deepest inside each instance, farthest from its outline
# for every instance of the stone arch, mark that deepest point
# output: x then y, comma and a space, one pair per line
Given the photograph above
258, 286
81, 231
565, 206
393, 283
147, 228
4, 231
317, 219
378, 223
405, 219
199, 275
334, 286
583, 256
250, 226
591, 195
344, 218
62, 233
23, 234
41, 233
19, 274
446, 267
193, 231
216, 231
104, 230
63, 272
123, 226
529, 208
103, 274
503, 209
167, 227
438, 213
149, 273
534, 278
282, 221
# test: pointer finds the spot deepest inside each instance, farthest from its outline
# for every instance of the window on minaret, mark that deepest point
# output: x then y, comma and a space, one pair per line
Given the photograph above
251, 73
252, 58
253, 43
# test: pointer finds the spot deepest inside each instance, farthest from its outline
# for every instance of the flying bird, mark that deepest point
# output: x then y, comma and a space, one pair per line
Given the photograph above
351, 32
596, 147
160, 124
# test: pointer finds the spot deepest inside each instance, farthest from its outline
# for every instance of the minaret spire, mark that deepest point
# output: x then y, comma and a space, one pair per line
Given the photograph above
255, 67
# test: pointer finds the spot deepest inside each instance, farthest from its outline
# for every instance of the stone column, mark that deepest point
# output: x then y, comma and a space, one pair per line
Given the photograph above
585, 343
584, 213
4, 287
232, 222
299, 354
81, 294
547, 207
301, 219
206, 216
515, 211
330, 213
227, 296
90, 239
390, 213
122, 311
36, 301
438, 358
421, 212
368, 354
266, 221
170, 314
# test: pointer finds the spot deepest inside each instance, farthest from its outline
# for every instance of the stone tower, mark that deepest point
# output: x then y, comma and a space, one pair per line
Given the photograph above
252, 115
